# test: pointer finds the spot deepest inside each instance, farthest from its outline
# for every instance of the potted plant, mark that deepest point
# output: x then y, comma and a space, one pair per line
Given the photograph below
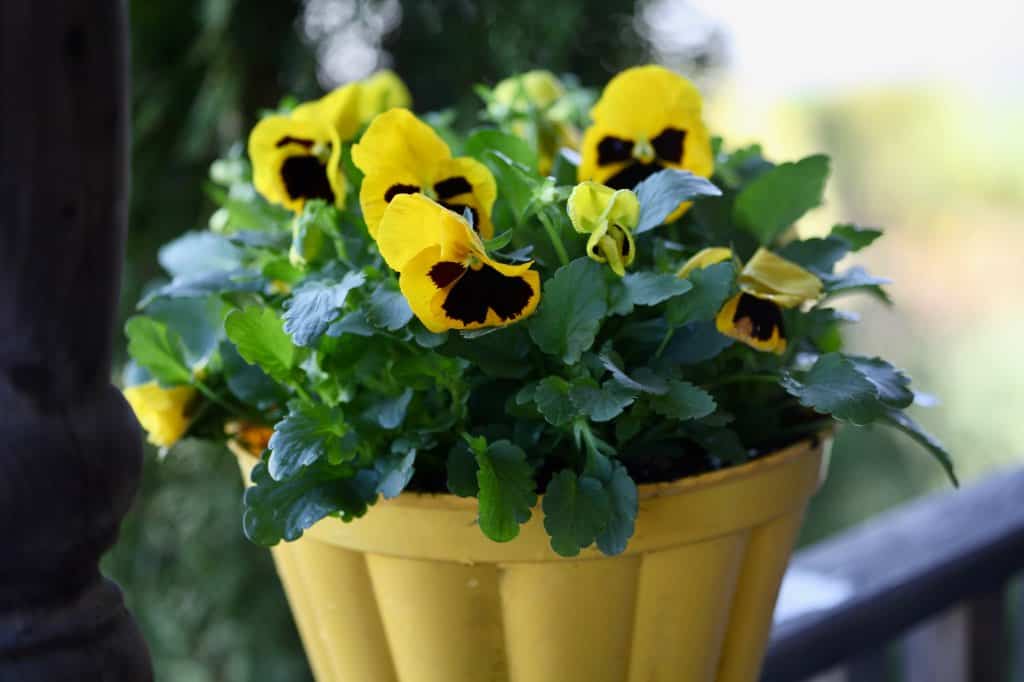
544, 400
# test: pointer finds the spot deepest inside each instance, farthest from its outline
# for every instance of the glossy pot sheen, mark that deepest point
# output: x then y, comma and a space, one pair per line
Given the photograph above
413, 591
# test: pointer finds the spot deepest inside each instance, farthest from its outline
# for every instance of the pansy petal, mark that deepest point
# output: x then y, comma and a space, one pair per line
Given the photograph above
397, 140
382, 91
338, 109
162, 412
286, 168
465, 182
590, 202
423, 286
704, 258
377, 191
770, 276
645, 100
489, 295
413, 223
754, 321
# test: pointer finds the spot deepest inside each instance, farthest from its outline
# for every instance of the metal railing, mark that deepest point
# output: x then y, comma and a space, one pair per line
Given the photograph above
921, 594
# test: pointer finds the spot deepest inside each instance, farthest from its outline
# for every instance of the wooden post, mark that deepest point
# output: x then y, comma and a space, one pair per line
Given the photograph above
70, 450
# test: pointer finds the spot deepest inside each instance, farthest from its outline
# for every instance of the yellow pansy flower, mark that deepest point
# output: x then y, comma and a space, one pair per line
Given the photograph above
400, 154
295, 160
446, 274
704, 258
537, 88
768, 283
648, 119
162, 412
608, 216
382, 91
538, 91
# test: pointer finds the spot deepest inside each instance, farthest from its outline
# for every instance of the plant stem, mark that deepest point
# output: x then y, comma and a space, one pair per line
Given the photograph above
556, 241
669, 333
214, 398
302, 392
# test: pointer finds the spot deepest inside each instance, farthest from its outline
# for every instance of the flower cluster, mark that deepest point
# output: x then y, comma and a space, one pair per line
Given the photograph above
586, 293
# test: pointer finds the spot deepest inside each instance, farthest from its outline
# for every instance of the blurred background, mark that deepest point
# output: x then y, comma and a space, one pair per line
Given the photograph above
920, 104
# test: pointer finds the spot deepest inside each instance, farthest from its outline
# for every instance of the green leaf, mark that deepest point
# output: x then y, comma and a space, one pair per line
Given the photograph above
623, 500
203, 284
576, 511
195, 253
387, 309
571, 310
499, 242
856, 237
462, 471
501, 354
661, 194
315, 305
480, 142
652, 288
711, 288
564, 168
646, 381
390, 413
259, 336
353, 322
684, 401
153, 346
394, 472
276, 510
517, 183
907, 425
817, 255
779, 197
601, 403
507, 490
198, 321
308, 434
694, 343
893, 386
856, 279
552, 399
835, 386
249, 383
742, 165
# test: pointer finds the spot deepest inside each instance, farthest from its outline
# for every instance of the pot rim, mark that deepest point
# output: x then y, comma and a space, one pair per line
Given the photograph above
645, 491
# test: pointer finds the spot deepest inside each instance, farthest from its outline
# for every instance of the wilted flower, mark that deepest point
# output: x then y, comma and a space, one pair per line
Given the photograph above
608, 216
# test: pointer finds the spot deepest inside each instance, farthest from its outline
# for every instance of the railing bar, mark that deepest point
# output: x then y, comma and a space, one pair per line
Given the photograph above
937, 651
869, 667
834, 675
903, 567
987, 637
1017, 618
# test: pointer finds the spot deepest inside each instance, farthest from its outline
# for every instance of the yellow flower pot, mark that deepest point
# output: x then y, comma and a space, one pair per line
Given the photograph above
414, 592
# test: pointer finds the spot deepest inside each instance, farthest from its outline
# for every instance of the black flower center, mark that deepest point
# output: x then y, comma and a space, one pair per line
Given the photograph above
478, 290
757, 317
306, 178
668, 146
445, 189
